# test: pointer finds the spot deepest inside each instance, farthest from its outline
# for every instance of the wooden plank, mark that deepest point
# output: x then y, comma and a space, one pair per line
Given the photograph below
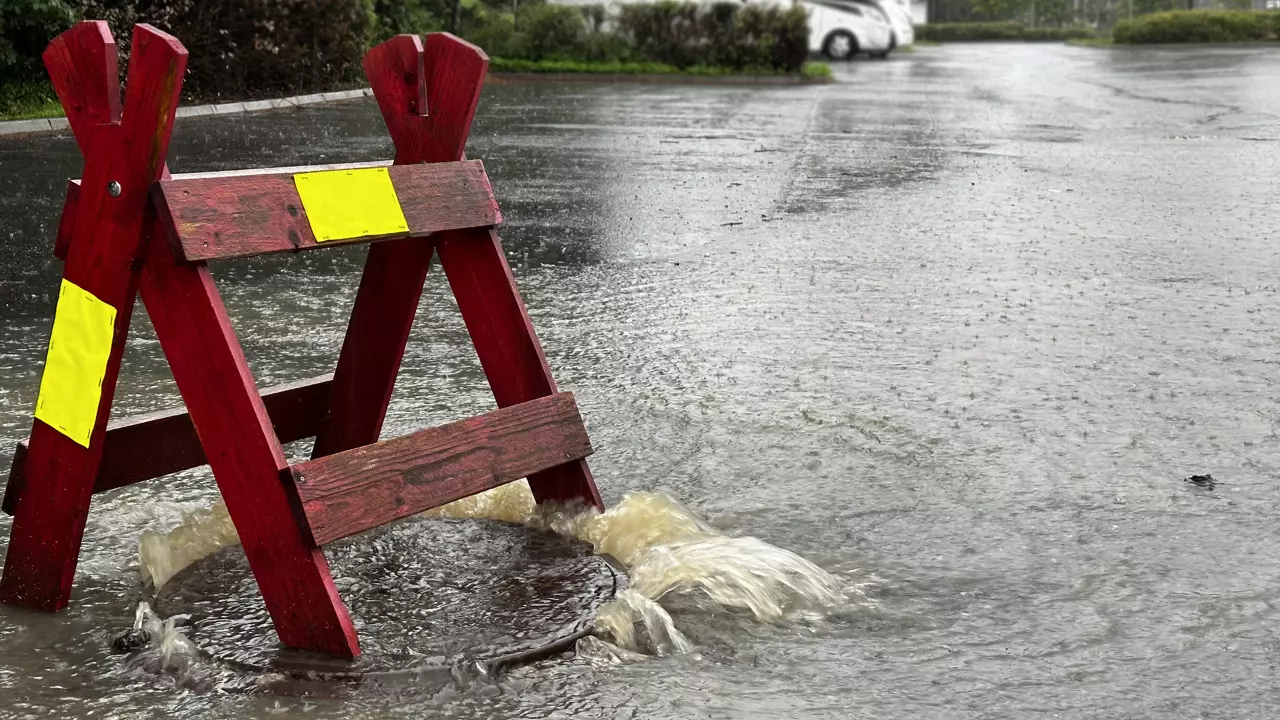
508, 348
107, 235
261, 213
218, 389
73, 191
408, 80
149, 446
353, 491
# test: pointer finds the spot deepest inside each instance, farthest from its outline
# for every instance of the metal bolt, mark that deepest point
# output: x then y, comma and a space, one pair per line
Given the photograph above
113, 189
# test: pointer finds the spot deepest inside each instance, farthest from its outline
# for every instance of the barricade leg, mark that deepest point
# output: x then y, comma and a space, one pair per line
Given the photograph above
122, 159
244, 452
428, 97
509, 351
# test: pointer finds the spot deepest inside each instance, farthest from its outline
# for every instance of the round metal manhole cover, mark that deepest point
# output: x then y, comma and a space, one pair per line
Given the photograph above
423, 594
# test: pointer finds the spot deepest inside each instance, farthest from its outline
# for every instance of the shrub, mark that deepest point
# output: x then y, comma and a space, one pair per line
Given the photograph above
594, 15
1007, 31
721, 34
396, 17
1200, 26
495, 33
1058, 34
969, 31
26, 27
243, 48
551, 31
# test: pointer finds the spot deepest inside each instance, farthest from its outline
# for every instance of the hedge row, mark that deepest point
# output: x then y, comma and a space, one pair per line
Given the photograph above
999, 31
240, 48
1200, 26
248, 48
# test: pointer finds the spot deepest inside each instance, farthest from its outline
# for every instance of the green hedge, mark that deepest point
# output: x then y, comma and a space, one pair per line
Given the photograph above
252, 48
1058, 34
723, 34
969, 31
1007, 31
238, 48
1200, 26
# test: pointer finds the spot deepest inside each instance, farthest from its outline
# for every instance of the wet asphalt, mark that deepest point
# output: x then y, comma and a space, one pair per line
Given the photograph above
955, 328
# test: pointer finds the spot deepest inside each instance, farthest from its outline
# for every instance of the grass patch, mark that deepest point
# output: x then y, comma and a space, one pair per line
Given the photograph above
517, 65
1091, 42
27, 99
1200, 26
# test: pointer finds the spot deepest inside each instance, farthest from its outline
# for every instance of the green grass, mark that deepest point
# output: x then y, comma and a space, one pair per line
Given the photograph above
25, 100
515, 65
1091, 42
816, 70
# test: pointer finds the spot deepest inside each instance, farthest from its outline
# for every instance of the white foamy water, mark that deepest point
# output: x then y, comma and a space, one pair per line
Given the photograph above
667, 550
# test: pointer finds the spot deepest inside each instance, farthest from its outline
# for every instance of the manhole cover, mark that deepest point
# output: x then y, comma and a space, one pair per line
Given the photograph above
424, 595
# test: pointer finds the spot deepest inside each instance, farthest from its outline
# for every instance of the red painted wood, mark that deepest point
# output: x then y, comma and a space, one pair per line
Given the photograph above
508, 348
106, 237
353, 491
144, 447
73, 192
448, 73
209, 367
261, 214
84, 69
68, 220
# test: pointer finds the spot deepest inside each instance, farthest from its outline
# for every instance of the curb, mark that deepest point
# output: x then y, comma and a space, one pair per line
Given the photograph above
44, 125
58, 124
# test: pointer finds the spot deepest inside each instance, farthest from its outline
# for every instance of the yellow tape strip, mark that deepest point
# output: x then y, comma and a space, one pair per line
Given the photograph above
71, 387
347, 204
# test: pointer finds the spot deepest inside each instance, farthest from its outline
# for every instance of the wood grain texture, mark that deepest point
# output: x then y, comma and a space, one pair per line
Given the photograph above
144, 447
218, 389
73, 191
106, 238
85, 73
448, 73
507, 346
353, 491
261, 214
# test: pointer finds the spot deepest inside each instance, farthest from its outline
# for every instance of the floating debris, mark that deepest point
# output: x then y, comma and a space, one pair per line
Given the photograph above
1205, 481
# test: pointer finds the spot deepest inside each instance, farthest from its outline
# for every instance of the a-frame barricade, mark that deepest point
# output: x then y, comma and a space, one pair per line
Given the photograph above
130, 228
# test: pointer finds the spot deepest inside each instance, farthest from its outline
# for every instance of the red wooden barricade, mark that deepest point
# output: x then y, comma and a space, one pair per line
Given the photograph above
128, 227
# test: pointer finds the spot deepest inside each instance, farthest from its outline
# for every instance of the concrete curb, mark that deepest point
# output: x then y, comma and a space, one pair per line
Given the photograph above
57, 124
44, 125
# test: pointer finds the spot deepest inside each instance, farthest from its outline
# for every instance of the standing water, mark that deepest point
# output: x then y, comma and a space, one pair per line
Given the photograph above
947, 336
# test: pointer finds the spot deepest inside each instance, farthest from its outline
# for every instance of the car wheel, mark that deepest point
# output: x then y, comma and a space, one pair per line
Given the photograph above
840, 45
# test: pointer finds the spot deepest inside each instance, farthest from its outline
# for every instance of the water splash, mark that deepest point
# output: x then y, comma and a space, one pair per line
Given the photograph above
667, 550
632, 610
200, 533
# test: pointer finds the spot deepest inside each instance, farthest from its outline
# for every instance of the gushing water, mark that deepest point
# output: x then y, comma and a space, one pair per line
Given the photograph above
668, 551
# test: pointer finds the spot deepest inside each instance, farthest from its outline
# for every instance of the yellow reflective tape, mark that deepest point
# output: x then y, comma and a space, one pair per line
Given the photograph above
346, 204
71, 387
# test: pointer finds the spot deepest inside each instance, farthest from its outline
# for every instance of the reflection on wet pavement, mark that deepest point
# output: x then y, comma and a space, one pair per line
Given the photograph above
954, 329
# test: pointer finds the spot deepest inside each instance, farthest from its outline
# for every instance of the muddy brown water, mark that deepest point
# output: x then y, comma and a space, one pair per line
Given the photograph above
955, 329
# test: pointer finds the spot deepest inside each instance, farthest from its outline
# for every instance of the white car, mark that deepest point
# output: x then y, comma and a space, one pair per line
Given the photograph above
841, 29
899, 12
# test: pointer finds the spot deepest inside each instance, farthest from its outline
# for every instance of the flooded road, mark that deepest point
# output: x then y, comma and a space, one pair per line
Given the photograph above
954, 329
